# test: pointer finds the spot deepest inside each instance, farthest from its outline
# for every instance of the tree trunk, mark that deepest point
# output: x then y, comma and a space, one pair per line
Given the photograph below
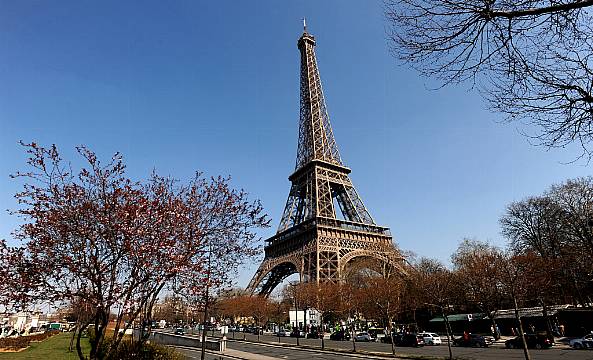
101, 320
521, 333
353, 338
449, 335
82, 328
73, 336
549, 332
203, 352
322, 331
390, 328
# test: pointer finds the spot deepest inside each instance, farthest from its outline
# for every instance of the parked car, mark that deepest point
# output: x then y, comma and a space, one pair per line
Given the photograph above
410, 339
362, 336
473, 340
179, 331
376, 333
431, 338
296, 332
340, 335
282, 333
534, 341
586, 342
314, 334
387, 337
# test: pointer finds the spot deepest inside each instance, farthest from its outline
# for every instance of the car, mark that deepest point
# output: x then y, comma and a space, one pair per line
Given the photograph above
534, 341
179, 331
473, 340
431, 338
394, 335
282, 333
314, 334
340, 335
297, 333
362, 336
586, 342
410, 339
376, 333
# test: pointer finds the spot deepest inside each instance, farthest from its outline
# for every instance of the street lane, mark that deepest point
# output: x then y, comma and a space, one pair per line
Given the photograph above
494, 352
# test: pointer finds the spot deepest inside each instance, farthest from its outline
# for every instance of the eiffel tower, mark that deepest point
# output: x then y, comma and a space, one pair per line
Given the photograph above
312, 240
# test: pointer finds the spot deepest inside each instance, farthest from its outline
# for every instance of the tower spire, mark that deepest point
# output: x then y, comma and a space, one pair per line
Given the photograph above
316, 138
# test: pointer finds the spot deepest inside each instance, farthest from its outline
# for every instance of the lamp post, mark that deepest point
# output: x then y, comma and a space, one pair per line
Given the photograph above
296, 310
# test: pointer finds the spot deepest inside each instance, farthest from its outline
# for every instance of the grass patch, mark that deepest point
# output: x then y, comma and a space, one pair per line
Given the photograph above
54, 348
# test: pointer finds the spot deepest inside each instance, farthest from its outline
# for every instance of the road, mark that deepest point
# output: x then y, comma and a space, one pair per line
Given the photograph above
269, 346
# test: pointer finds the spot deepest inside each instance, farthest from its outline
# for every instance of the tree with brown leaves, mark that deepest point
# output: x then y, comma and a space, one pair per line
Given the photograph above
476, 267
435, 286
383, 296
515, 277
324, 297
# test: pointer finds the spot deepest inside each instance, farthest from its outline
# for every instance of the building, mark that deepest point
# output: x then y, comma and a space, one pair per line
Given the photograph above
304, 319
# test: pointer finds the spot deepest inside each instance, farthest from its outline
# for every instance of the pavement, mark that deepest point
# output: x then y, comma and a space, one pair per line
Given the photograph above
194, 353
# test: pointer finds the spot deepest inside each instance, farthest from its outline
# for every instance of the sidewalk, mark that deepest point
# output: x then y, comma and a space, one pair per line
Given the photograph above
361, 354
245, 355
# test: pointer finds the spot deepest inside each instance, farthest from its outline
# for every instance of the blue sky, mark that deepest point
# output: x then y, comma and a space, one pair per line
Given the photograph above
213, 86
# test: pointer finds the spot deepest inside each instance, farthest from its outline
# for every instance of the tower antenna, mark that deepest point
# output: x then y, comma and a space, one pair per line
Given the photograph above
304, 24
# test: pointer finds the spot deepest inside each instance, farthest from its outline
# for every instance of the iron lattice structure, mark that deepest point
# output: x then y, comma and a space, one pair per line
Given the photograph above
312, 239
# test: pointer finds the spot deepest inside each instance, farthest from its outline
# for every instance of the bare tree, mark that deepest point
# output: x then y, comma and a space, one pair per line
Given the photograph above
532, 59
558, 227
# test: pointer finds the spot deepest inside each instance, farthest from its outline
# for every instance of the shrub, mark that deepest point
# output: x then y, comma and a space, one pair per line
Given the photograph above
42, 336
22, 342
146, 351
133, 350
14, 343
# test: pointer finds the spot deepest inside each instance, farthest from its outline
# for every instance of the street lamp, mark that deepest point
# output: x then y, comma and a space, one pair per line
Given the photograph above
296, 310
